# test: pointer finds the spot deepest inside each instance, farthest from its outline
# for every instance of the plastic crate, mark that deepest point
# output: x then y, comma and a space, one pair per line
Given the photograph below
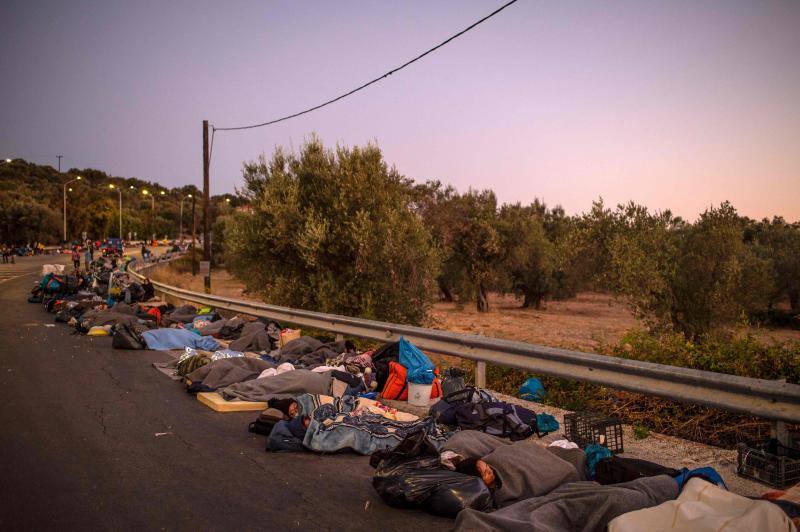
769, 462
585, 428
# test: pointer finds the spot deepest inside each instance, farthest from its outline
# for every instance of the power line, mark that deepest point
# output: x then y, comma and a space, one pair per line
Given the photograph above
367, 84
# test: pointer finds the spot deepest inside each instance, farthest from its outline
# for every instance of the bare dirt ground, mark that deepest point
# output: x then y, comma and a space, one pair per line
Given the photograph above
586, 323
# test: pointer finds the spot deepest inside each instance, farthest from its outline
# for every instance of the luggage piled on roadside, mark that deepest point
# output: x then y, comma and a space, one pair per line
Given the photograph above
471, 456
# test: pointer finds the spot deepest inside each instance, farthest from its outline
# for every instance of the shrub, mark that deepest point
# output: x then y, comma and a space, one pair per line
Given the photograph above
742, 355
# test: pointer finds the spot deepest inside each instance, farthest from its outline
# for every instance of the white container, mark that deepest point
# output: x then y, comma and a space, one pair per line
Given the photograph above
419, 394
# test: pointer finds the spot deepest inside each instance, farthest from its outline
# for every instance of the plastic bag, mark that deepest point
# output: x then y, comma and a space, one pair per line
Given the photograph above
420, 368
532, 390
545, 423
411, 476
436, 490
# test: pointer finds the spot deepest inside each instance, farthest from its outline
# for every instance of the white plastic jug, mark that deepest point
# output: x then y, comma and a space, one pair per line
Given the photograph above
419, 394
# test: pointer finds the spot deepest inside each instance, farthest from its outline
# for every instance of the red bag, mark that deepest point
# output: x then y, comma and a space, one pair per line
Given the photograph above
396, 387
157, 313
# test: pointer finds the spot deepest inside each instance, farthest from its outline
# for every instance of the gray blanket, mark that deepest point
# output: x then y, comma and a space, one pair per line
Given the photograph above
524, 470
93, 318
184, 314
213, 328
473, 443
309, 352
287, 384
254, 337
228, 371
576, 457
579, 506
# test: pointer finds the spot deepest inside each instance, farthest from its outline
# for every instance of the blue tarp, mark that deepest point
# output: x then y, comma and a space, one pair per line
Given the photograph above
420, 368
164, 339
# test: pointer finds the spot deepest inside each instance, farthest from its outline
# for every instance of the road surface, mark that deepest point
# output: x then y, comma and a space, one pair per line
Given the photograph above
95, 438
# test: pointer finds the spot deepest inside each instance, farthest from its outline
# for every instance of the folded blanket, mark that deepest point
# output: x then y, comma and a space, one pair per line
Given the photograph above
578, 506
163, 339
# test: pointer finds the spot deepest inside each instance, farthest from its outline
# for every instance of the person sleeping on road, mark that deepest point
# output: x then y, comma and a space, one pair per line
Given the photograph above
512, 471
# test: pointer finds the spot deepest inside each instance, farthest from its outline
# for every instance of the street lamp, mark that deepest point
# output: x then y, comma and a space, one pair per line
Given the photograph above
65, 203
119, 191
146, 192
180, 232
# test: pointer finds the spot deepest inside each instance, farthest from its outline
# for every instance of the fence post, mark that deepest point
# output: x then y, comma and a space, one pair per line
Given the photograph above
480, 374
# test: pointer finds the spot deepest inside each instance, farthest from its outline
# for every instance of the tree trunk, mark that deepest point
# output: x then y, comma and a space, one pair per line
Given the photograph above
527, 300
447, 294
483, 299
794, 299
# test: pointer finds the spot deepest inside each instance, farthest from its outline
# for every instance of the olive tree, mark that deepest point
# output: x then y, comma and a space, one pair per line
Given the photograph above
333, 231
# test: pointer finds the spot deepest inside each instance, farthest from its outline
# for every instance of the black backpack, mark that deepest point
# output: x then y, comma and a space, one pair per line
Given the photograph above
496, 418
266, 421
128, 336
444, 410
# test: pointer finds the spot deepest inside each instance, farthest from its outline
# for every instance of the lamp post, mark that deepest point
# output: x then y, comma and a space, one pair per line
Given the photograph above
119, 190
65, 204
146, 192
180, 231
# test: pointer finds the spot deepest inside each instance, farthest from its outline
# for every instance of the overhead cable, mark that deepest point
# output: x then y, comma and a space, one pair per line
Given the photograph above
367, 84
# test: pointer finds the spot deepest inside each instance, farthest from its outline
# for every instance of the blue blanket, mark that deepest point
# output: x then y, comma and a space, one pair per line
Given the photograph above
164, 339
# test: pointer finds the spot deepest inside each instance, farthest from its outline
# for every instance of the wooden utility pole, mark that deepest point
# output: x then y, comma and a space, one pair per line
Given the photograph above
206, 240
194, 238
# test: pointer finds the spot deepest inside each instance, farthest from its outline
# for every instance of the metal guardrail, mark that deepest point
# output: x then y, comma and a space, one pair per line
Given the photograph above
773, 400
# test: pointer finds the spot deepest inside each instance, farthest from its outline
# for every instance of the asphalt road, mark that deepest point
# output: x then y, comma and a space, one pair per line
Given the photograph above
95, 438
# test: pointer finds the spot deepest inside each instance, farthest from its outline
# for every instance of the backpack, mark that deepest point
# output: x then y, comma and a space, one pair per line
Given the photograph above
128, 336
444, 410
497, 418
266, 421
396, 387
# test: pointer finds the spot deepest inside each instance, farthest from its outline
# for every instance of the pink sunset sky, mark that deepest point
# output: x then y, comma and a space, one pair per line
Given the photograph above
673, 104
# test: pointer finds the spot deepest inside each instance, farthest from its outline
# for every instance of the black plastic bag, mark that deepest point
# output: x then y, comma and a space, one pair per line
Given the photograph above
431, 487
412, 477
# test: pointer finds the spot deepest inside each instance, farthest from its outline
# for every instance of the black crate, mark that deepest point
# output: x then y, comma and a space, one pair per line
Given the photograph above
769, 462
585, 428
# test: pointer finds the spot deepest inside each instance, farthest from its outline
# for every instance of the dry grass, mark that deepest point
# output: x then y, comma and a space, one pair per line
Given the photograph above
222, 283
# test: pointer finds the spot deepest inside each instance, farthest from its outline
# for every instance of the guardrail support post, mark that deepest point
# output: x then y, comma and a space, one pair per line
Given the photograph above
778, 431
480, 374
